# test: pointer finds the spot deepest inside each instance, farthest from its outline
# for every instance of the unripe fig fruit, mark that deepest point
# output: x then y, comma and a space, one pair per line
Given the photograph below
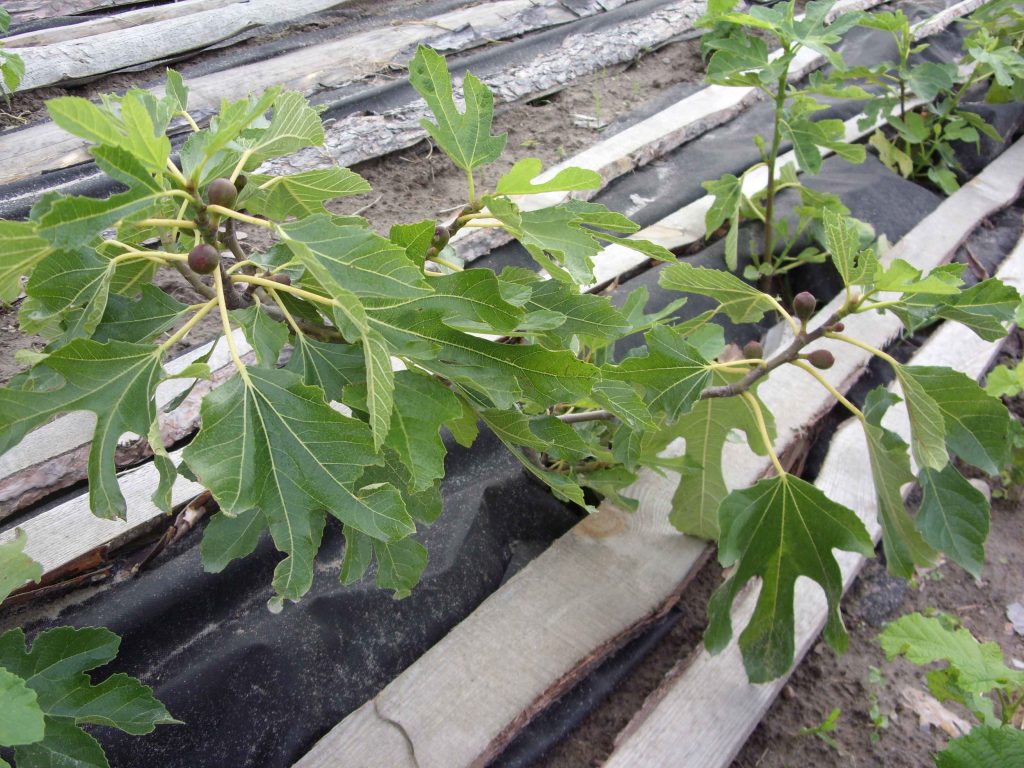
281, 278
804, 304
222, 192
203, 259
838, 328
753, 350
441, 236
241, 181
431, 252
821, 359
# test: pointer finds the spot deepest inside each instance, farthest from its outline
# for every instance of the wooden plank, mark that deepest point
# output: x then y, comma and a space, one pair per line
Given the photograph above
124, 20
704, 716
359, 137
54, 456
29, 10
70, 530
33, 150
80, 59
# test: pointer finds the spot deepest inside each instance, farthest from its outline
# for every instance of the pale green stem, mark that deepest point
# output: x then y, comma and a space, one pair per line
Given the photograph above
203, 310
804, 366
218, 283
762, 428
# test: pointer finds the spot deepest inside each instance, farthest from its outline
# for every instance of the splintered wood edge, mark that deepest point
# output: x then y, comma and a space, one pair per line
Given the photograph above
704, 716
45, 147
458, 698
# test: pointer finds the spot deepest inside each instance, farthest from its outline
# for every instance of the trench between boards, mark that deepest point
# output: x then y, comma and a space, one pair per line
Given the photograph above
172, 604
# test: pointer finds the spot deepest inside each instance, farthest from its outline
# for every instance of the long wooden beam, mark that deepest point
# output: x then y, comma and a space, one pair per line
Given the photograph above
94, 26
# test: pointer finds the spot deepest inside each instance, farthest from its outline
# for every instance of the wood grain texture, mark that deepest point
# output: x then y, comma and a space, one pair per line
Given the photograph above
76, 60
704, 716
125, 20
39, 148
70, 530
29, 10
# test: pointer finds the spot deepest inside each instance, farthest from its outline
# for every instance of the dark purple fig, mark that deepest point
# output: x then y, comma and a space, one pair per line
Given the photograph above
821, 359
222, 192
441, 236
804, 304
241, 181
753, 350
203, 259
838, 328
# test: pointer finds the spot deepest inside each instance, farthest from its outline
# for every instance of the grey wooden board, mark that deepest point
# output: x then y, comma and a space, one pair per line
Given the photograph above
28, 10
124, 20
38, 148
79, 59
356, 138
704, 716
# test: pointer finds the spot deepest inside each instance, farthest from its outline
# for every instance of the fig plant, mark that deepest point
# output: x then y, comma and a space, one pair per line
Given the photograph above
738, 55
410, 343
975, 677
923, 144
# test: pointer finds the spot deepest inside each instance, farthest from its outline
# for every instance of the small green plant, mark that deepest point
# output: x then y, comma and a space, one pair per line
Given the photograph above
880, 719
824, 730
926, 130
974, 676
738, 57
12, 67
46, 694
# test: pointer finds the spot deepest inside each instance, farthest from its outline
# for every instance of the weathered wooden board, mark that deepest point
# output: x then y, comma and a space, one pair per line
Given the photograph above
39, 148
359, 137
80, 59
455, 704
704, 715
29, 10
125, 20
